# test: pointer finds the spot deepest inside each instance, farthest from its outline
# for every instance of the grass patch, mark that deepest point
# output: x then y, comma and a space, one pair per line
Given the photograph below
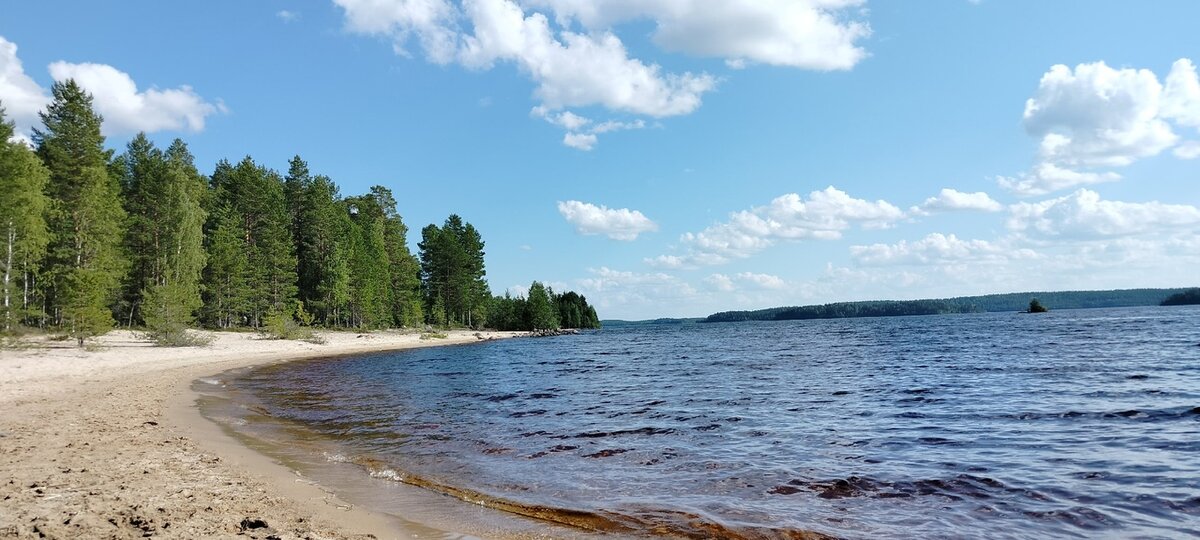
433, 335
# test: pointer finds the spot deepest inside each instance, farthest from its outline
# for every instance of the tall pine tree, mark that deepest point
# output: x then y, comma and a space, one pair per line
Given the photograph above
23, 206
85, 264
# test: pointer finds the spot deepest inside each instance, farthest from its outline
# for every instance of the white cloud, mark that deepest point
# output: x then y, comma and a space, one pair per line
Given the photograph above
1095, 117
116, 97
1188, 150
633, 291
1181, 96
580, 141
20, 95
287, 16
581, 131
1047, 178
809, 34
762, 281
573, 67
720, 282
618, 224
823, 216
1083, 214
950, 200
936, 248
126, 110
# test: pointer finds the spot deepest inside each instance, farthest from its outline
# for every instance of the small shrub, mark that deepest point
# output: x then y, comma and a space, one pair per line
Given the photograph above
279, 325
433, 335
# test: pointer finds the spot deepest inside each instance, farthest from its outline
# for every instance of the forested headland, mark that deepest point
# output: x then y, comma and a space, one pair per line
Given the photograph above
93, 239
1183, 298
963, 304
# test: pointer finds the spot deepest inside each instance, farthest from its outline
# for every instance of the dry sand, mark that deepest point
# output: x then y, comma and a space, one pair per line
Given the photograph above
106, 443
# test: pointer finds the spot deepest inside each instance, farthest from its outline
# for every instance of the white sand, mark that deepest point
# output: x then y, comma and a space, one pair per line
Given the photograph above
106, 443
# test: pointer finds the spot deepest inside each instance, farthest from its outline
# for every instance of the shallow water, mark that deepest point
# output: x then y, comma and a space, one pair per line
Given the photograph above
1080, 423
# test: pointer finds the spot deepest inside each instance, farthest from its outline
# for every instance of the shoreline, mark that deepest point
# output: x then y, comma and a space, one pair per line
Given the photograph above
110, 443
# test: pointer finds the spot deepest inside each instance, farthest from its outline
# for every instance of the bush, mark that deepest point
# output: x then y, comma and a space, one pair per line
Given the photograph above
433, 335
294, 325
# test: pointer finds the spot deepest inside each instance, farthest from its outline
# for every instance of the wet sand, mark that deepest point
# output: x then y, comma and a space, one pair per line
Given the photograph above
107, 443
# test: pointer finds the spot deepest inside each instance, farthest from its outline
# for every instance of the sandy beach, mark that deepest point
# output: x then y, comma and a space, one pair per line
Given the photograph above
106, 443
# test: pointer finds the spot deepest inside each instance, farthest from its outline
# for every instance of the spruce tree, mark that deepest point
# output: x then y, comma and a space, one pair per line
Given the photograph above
85, 263
23, 206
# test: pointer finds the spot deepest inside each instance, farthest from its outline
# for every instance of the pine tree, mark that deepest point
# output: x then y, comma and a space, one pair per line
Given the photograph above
542, 313
404, 270
85, 262
452, 270
172, 295
226, 277
254, 195
23, 206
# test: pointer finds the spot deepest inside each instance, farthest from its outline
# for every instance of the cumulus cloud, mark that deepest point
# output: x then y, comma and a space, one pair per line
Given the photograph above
573, 67
287, 16
582, 131
952, 200
20, 95
1188, 150
618, 224
116, 97
630, 290
809, 34
1083, 214
1096, 117
720, 282
824, 215
1048, 178
936, 248
126, 110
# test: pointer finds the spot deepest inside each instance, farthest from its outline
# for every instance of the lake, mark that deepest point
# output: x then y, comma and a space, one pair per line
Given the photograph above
1082, 423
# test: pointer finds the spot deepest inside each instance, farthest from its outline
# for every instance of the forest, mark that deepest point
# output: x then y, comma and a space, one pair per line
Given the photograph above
93, 239
964, 304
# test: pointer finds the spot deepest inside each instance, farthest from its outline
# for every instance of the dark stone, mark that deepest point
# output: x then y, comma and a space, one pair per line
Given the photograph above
248, 524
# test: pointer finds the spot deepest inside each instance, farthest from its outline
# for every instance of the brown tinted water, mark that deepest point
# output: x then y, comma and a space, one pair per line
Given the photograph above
1078, 423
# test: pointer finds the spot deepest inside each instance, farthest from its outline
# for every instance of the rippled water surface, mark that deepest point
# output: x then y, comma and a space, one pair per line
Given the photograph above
1078, 423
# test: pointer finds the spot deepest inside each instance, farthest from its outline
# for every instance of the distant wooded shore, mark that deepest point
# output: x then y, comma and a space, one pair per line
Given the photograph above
1019, 301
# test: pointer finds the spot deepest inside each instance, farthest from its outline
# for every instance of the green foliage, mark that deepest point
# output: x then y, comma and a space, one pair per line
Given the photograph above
85, 263
250, 200
169, 311
227, 276
434, 335
542, 314
1036, 307
1184, 298
163, 194
452, 271
289, 325
23, 232
543, 310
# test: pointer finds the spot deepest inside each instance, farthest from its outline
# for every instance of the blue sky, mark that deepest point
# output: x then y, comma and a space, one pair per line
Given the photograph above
679, 157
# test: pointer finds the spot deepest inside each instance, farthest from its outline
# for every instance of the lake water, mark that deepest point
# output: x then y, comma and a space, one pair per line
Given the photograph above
1081, 423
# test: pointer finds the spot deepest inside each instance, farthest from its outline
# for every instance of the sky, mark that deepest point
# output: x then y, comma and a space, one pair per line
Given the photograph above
673, 158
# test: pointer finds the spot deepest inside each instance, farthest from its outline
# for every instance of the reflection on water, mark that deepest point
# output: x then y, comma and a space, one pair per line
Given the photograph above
1074, 423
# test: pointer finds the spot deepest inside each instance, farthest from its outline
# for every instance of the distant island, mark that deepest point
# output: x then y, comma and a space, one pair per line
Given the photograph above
966, 304
1185, 298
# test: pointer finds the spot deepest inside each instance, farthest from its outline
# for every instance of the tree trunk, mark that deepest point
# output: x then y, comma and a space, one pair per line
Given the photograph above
12, 237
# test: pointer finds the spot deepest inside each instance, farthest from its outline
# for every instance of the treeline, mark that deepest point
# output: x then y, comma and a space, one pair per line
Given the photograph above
964, 304
142, 239
542, 309
1184, 298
